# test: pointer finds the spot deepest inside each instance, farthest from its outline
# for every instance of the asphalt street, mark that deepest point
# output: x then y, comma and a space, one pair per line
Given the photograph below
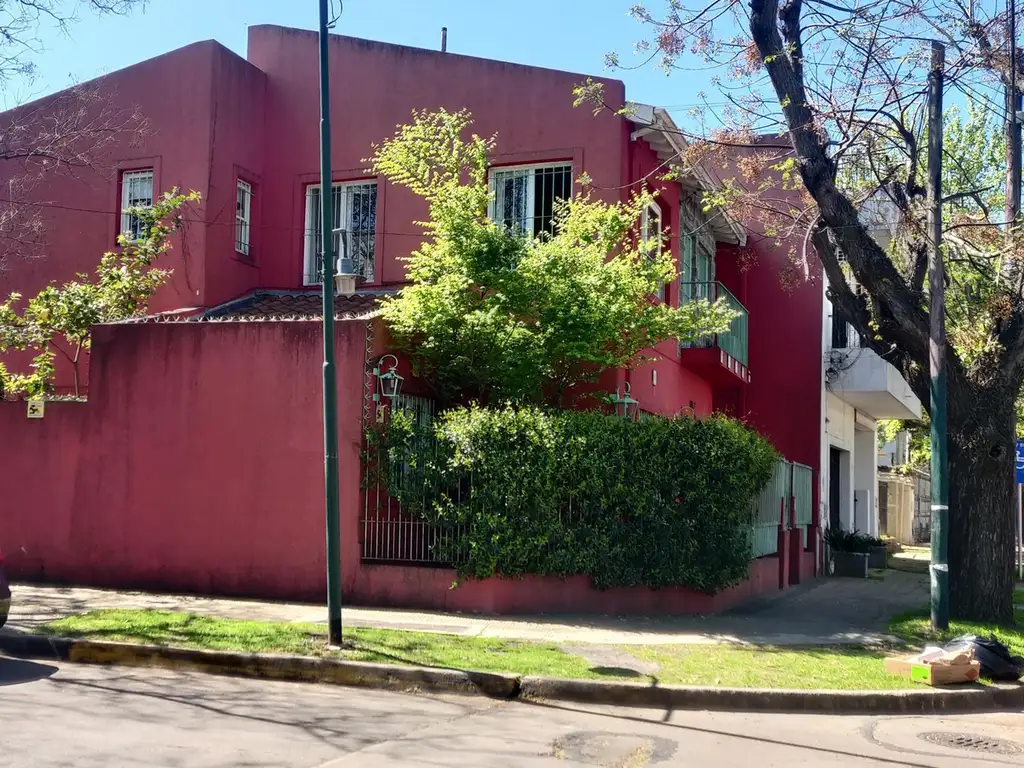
72, 716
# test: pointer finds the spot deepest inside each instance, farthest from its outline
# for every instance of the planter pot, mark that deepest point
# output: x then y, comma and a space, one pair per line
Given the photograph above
852, 564
878, 557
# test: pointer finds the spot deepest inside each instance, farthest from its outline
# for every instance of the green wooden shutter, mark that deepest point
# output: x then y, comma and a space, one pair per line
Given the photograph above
702, 275
686, 276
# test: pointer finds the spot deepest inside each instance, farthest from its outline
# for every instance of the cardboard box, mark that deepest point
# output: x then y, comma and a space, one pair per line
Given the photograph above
933, 674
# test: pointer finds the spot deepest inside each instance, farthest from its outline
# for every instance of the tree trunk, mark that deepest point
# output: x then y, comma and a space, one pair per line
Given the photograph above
982, 505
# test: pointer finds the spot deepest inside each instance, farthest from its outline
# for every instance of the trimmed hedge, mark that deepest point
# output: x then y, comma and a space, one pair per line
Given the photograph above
527, 490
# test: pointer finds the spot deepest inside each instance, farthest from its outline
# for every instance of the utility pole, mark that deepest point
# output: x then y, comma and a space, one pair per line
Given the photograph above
937, 347
1013, 182
1013, 108
330, 388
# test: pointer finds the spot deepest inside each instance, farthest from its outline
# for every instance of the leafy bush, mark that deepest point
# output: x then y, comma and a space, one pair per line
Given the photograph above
851, 541
529, 490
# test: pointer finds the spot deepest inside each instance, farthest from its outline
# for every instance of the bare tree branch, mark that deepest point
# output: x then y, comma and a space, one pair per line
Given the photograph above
67, 133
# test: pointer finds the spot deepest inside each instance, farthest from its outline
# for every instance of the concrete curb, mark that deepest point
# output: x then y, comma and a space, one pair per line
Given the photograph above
506, 686
265, 666
924, 701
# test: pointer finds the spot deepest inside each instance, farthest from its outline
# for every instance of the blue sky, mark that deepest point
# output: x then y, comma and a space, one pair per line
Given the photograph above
563, 34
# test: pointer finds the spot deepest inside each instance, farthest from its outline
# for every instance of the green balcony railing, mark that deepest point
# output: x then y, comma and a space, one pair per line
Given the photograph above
733, 341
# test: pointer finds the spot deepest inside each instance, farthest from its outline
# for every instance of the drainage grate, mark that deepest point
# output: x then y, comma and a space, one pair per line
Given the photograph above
969, 741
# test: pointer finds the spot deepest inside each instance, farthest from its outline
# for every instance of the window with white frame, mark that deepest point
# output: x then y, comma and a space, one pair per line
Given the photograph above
354, 207
136, 192
243, 217
650, 222
650, 229
523, 196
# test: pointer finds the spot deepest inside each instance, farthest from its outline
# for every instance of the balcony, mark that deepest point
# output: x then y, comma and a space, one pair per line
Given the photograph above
722, 357
860, 377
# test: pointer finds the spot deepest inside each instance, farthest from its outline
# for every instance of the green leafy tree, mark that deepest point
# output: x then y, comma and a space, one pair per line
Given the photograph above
58, 320
495, 315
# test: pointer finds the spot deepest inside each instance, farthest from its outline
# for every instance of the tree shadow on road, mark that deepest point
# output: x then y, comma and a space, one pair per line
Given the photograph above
753, 738
324, 713
17, 671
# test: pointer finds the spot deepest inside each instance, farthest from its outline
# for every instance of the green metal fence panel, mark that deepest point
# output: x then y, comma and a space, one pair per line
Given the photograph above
803, 488
768, 511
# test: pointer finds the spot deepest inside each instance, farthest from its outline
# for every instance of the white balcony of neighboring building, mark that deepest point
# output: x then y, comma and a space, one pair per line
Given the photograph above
857, 375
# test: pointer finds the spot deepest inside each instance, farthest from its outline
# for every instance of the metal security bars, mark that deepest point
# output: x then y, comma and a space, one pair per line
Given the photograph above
843, 334
734, 341
392, 535
136, 192
243, 217
523, 197
355, 214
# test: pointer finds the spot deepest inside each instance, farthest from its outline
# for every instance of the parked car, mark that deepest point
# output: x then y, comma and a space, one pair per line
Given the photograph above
5, 593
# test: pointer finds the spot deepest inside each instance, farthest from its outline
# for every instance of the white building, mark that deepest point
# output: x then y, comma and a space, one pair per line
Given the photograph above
861, 388
896, 452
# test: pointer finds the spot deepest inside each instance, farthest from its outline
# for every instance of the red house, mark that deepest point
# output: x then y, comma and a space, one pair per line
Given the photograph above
194, 464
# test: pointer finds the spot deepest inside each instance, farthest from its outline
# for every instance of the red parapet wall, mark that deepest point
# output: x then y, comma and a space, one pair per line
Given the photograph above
196, 464
431, 589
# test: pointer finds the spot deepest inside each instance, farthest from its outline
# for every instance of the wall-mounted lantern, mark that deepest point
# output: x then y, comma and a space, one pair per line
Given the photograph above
625, 405
389, 382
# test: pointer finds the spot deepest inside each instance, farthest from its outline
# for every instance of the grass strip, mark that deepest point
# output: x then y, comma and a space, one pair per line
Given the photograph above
707, 665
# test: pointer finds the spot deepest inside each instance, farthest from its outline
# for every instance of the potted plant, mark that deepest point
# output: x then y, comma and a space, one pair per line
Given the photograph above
878, 553
849, 553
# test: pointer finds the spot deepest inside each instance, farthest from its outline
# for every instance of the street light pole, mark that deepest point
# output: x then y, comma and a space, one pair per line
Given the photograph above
937, 347
330, 388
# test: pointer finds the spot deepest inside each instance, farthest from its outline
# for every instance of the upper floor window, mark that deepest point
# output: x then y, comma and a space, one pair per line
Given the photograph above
136, 192
523, 197
650, 229
243, 217
650, 222
844, 335
354, 207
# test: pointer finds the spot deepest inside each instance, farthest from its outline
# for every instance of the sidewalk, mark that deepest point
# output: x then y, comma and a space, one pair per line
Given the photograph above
827, 612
